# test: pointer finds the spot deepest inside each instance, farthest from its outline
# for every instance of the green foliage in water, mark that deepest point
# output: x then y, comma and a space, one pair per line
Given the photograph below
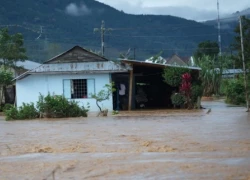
235, 92
54, 106
26, 111
7, 107
196, 91
178, 99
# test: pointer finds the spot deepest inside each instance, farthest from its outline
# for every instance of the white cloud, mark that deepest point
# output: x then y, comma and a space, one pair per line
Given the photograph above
74, 10
189, 9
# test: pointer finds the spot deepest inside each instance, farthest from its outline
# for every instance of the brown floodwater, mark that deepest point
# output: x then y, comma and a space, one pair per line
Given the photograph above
160, 144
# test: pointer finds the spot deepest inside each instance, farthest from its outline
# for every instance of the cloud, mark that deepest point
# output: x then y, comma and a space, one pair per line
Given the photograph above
198, 10
182, 11
74, 10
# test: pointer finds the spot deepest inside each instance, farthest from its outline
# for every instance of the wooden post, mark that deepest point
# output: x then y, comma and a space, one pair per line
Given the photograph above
244, 66
131, 77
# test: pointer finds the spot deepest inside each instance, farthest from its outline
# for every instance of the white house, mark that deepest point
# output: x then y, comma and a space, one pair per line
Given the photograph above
75, 74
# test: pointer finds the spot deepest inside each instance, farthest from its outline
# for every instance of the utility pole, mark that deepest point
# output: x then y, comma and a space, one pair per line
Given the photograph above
244, 65
103, 30
219, 28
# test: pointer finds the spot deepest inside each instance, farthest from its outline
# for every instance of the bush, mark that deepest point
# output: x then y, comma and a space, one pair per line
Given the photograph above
26, 111
223, 87
173, 75
58, 107
7, 107
178, 99
11, 114
235, 92
76, 110
196, 91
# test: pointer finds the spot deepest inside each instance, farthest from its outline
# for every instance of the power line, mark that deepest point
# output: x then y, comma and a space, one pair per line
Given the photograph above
165, 36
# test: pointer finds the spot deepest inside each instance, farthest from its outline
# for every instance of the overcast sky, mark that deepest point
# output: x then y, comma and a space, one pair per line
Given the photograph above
190, 9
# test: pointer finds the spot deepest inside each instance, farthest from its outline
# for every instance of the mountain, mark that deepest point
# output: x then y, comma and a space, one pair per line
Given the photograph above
229, 22
52, 26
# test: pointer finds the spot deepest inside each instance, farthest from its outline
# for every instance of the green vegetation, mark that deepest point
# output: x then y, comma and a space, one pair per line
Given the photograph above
178, 99
54, 106
26, 111
147, 33
172, 76
11, 48
211, 73
48, 106
103, 95
6, 77
11, 51
196, 92
237, 43
190, 89
7, 107
235, 91
207, 48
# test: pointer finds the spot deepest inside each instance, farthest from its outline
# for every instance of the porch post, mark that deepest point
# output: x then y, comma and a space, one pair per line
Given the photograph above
130, 88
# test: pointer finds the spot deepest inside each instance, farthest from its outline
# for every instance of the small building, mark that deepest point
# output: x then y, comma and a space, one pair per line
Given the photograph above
75, 74
145, 85
78, 73
231, 73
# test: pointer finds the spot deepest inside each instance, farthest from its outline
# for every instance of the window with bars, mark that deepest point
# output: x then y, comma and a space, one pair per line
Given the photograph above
78, 88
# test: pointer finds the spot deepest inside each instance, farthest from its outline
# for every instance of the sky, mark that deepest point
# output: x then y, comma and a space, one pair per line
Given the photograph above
198, 10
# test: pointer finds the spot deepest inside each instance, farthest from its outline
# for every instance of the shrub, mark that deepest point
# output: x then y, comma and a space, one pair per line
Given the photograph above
235, 92
11, 114
173, 75
178, 99
196, 91
7, 107
104, 95
26, 111
76, 110
58, 107
223, 87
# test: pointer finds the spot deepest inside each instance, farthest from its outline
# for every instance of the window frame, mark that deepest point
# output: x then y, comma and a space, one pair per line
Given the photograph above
71, 80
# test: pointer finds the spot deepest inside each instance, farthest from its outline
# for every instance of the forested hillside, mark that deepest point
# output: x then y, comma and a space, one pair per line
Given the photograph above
66, 23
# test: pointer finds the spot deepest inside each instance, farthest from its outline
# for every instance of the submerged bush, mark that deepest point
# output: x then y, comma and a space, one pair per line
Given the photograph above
7, 107
196, 91
178, 99
75, 110
58, 107
26, 111
235, 92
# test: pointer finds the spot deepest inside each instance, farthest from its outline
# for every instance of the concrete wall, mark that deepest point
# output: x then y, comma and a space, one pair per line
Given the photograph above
28, 89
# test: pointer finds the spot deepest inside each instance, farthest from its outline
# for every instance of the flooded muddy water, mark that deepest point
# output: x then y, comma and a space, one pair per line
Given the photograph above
161, 144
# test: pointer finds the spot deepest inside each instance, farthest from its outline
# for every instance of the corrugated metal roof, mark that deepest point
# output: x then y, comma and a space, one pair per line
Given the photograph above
143, 63
76, 68
233, 71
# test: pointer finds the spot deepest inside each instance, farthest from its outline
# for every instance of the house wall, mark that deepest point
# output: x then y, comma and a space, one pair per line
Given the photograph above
28, 89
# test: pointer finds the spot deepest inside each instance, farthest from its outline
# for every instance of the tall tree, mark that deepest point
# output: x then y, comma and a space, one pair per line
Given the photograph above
11, 48
237, 43
207, 48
